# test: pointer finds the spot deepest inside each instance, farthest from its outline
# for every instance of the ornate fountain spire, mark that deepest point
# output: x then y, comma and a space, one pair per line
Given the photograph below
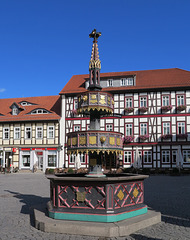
95, 63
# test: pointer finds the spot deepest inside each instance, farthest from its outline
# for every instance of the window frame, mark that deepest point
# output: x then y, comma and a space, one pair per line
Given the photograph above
76, 125
184, 100
39, 131
131, 129
169, 100
166, 128
25, 136
149, 154
174, 153
54, 154
48, 132
75, 104
147, 132
144, 97
131, 101
16, 138
72, 158
126, 156
110, 82
166, 155
129, 80
177, 125
186, 153
123, 82
8, 132
109, 124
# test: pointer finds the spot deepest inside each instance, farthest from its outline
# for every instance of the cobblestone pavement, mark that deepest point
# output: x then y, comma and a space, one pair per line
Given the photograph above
20, 191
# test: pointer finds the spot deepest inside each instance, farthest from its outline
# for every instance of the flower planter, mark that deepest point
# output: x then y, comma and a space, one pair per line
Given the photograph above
129, 110
184, 135
166, 108
128, 139
143, 109
181, 108
166, 136
144, 137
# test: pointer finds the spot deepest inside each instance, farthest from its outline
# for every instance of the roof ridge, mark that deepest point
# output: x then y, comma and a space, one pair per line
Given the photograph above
29, 97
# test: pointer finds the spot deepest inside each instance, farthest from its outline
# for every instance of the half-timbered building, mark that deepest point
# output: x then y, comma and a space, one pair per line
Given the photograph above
29, 133
151, 109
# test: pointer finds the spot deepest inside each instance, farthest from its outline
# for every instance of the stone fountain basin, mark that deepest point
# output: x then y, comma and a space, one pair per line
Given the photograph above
109, 199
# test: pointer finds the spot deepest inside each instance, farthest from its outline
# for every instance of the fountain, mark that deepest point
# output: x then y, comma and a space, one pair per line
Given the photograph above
95, 196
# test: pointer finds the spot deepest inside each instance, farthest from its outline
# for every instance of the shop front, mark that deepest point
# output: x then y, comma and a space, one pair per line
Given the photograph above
38, 158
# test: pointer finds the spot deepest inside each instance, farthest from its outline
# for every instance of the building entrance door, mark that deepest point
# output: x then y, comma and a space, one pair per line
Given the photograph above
8, 160
40, 160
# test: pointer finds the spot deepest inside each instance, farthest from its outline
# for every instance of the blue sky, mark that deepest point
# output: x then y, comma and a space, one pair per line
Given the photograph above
44, 42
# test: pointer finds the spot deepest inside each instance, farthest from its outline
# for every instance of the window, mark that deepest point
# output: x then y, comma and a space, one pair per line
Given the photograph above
39, 132
181, 128
180, 100
39, 111
25, 103
50, 132
147, 156
165, 156
76, 128
174, 156
165, 101
17, 133
128, 102
143, 129
109, 127
75, 106
186, 156
130, 81
5, 133
15, 111
82, 158
110, 82
143, 101
127, 157
129, 129
26, 159
123, 82
27, 132
52, 158
166, 128
72, 158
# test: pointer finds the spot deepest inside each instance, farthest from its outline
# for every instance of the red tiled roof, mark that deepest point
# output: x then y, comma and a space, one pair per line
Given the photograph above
49, 103
146, 79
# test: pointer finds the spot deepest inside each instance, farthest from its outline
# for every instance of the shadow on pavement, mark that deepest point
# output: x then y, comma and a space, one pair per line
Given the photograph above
170, 196
141, 237
30, 202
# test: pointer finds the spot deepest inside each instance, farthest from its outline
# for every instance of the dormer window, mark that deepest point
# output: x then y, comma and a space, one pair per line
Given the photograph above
123, 82
40, 111
110, 82
24, 103
15, 111
130, 81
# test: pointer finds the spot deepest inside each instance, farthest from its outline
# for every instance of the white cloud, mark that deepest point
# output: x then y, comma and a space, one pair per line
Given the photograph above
2, 89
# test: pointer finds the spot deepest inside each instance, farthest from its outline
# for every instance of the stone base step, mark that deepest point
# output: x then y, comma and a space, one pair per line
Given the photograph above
117, 229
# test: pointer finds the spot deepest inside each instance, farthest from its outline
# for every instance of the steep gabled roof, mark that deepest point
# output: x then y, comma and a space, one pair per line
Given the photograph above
51, 103
145, 79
